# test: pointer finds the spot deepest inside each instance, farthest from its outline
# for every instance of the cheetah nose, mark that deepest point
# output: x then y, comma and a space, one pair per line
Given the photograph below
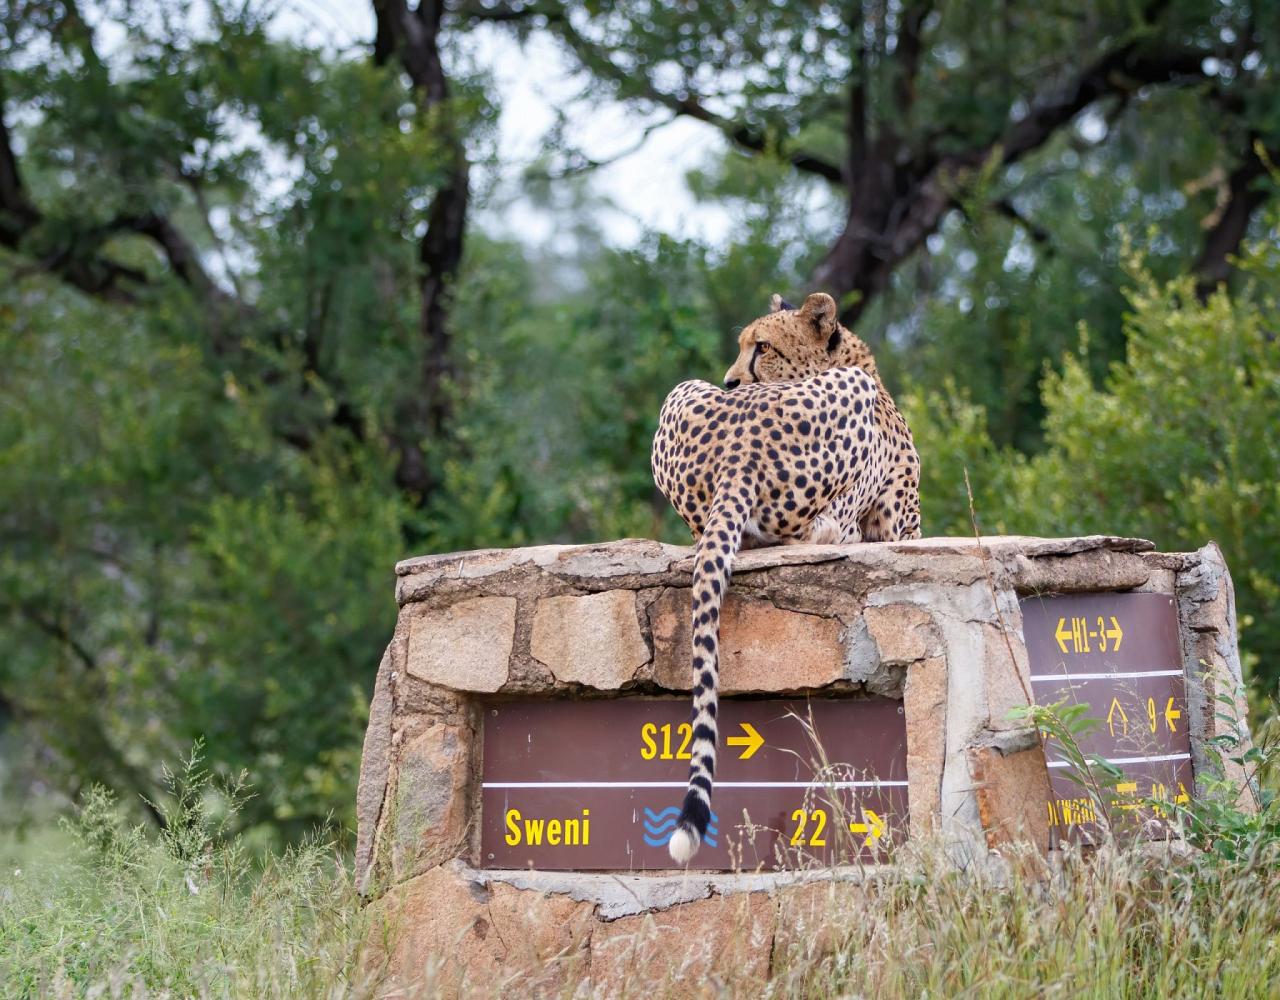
732, 383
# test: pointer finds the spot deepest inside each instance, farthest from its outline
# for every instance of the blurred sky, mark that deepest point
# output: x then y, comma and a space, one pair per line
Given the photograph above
646, 187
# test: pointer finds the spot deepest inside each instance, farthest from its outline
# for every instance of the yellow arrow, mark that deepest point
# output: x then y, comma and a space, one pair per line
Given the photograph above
1115, 633
1062, 634
1126, 788
1111, 721
1182, 795
875, 829
753, 741
1171, 713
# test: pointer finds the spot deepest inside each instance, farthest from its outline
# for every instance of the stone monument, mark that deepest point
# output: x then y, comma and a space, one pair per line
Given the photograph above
524, 747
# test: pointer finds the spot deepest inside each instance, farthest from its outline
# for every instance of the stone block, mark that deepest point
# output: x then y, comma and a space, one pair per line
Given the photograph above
593, 640
903, 633
1006, 676
726, 939
453, 938
925, 704
375, 764
472, 624
433, 779
762, 647
1012, 792
818, 918
466, 646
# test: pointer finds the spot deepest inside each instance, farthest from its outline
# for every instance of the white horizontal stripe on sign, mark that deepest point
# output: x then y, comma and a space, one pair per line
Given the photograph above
684, 784
1128, 675
1130, 760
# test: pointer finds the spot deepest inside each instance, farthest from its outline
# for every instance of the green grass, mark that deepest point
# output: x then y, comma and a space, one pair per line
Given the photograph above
99, 908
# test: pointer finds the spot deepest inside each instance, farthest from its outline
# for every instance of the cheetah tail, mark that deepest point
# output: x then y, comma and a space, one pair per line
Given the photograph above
713, 561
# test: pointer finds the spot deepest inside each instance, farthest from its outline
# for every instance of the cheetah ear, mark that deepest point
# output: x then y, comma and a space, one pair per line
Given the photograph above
821, 309
777, 304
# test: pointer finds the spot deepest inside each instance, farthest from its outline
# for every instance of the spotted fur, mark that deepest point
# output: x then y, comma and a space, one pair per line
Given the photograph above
782, 347
801, 448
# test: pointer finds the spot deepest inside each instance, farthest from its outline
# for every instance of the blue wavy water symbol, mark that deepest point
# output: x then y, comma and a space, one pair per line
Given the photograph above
659, 826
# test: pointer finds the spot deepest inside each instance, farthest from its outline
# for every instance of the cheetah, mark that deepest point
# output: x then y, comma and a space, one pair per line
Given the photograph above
803, 445
780, 347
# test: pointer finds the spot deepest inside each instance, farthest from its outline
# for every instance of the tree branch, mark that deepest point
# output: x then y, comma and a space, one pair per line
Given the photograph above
61, 633
877, 237
908, 53
856, 124
414, 38
499, 13
580, 163
83, 266
1118, 73
1243, 195
1009, 210
637, 85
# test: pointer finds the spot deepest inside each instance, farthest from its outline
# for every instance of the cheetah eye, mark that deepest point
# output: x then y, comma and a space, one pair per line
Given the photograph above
763, 346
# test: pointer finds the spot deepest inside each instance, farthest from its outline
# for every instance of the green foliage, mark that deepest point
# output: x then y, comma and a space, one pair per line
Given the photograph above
1235, 814
1065, 723
1176, 444
167, 568
1234, 824
107, 907
951, 435
1006, 294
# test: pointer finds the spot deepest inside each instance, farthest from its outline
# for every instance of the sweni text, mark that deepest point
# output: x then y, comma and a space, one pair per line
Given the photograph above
570, 832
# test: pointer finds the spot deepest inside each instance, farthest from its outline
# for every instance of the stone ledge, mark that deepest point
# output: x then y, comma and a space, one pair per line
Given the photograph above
616, 895
631, 555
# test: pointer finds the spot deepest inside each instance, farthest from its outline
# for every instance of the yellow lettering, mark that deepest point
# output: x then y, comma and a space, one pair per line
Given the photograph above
802, 817
666, 741
817, 840
554, 832
650, 749
1071, 812
683, 753
797, 838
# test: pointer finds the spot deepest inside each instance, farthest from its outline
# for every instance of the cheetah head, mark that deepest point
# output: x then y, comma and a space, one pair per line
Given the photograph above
791, 343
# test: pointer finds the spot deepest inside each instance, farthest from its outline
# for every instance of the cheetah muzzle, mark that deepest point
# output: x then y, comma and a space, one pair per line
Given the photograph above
806, 446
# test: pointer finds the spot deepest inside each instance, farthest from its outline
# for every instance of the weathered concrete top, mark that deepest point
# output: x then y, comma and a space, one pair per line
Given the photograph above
634, 557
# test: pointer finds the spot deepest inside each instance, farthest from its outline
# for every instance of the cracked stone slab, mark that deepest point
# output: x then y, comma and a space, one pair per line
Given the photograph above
618, 895
620, 558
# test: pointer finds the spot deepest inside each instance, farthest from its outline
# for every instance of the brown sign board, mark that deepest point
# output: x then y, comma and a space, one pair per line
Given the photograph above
596, 785
1120, 655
